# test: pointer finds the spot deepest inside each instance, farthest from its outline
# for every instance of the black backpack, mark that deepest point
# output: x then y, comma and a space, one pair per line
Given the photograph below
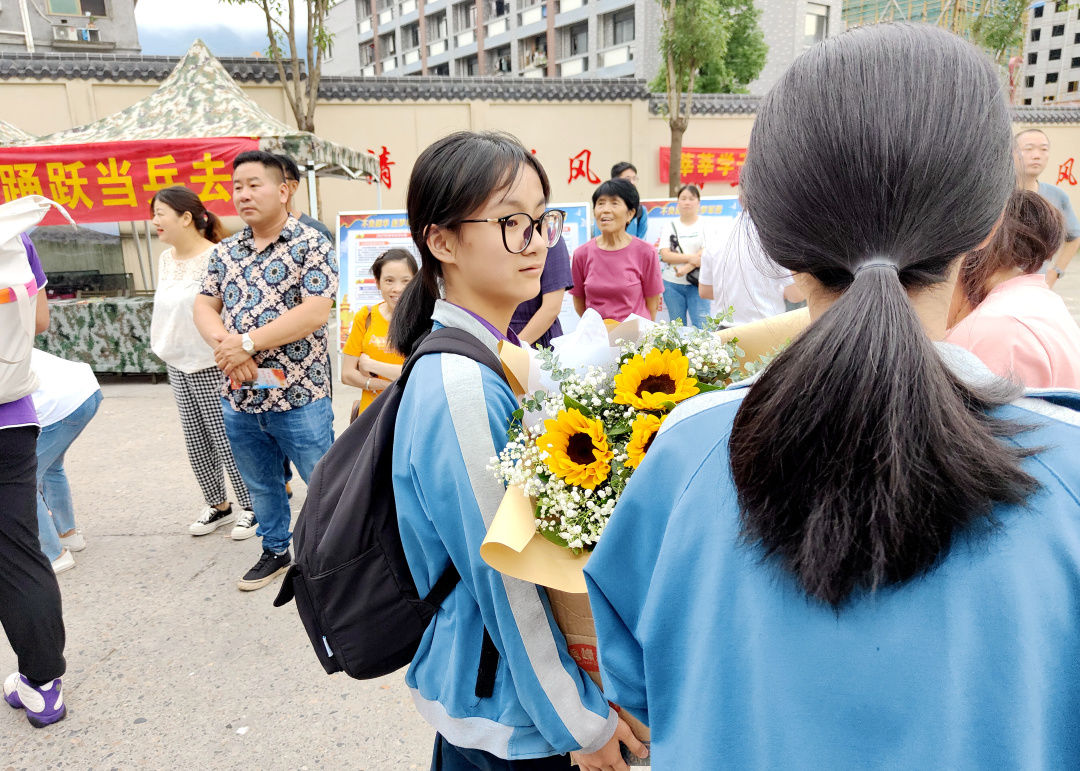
352, 585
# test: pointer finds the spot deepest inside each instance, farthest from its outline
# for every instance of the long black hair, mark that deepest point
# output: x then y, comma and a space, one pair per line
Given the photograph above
858, 454
450, 180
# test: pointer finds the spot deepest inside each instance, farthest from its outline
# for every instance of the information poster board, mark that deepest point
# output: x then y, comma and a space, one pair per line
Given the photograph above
364, 235
720, 213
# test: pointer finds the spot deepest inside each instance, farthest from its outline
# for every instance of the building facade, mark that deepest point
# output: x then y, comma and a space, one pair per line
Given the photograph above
1050, 69
526, 38
69, 26
790, 27
540, 38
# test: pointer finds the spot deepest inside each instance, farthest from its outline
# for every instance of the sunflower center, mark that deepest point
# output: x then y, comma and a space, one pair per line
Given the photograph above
657, 384
649, 442
579, 449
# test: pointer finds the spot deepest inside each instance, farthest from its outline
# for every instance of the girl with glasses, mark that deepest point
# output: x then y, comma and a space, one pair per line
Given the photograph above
477, 209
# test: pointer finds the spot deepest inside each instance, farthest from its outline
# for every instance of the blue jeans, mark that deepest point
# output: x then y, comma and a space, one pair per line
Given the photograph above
683, 302
260, 443
55, 512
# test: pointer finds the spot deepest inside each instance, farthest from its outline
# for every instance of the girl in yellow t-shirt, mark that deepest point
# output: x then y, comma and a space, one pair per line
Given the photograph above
370, 364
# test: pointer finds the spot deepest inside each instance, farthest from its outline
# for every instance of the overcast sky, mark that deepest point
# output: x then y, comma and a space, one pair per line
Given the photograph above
229, 30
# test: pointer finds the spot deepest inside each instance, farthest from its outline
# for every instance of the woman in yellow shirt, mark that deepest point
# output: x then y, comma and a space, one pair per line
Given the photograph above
370, 364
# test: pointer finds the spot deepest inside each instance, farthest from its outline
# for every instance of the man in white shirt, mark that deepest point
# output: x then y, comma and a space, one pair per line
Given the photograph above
736, 272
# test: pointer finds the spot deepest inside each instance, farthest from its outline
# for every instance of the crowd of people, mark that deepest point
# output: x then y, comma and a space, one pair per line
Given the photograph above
830, 564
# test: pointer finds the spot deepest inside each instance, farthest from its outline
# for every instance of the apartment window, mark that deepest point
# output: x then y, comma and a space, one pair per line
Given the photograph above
619, 27
1058, 30
367, 54
1076, 39
1061, 5
1051, 77
1038, 12
1048, 98
816, 24
1033, 58
1072, 86
1029, 81
443, 70
578, 39
498, 8
1075, 61
1027, 101
1055, 54
387, 46
1035, 35
468, 67
533, 52
76, 7
410, 36
499, 61
464, 16
436, 27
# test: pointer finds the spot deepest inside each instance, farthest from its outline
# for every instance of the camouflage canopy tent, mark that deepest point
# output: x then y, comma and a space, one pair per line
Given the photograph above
198, 102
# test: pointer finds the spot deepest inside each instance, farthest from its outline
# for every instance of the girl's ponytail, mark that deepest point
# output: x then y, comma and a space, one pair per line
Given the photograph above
858, 455
212, 229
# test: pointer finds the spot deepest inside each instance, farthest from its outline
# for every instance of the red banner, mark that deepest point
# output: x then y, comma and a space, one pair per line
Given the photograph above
705, 164
114, 181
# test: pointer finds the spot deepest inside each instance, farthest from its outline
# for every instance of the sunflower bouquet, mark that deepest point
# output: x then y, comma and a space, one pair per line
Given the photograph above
573, 447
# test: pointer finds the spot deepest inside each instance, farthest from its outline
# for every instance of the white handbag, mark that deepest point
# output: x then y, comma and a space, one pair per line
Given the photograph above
19, 295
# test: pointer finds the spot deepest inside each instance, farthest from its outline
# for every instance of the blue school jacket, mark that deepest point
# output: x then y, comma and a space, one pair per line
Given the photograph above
974, 665
452, 421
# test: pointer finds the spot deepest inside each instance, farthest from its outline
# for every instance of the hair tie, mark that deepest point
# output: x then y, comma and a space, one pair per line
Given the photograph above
876, 264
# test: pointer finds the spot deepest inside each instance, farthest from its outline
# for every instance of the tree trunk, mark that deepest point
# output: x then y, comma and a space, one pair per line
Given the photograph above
678, 128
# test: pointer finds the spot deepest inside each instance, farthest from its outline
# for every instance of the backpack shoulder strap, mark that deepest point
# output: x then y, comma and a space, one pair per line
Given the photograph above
452, 340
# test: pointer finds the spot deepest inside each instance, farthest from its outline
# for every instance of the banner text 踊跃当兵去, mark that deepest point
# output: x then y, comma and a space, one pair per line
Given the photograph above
115, 181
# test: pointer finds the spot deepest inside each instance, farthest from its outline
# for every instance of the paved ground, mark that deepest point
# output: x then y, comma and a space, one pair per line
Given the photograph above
169, 666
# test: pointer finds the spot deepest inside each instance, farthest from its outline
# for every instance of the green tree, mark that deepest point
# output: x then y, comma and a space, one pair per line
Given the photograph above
281, 32
708, 46
999, 27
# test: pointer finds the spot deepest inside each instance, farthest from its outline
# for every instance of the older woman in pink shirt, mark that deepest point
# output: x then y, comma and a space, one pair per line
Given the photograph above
1006, 314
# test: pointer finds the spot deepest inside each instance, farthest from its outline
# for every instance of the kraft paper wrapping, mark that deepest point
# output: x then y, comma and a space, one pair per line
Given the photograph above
513, 547
759, 338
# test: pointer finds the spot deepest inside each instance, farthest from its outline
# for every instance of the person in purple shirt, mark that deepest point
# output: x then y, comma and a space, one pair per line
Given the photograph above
536, 321
30, 608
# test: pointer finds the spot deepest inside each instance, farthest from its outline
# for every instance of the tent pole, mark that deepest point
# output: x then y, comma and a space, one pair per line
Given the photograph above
313, 199
138, 252
149, 257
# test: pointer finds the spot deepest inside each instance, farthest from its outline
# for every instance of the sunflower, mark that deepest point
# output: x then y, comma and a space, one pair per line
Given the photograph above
642, 433
647, 383
577, 449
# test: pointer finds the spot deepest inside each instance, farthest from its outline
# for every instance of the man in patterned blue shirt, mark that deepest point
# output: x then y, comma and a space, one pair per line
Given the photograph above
263, 308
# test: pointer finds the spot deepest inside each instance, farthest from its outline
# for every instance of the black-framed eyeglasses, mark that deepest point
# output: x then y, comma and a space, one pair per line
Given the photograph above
517, 229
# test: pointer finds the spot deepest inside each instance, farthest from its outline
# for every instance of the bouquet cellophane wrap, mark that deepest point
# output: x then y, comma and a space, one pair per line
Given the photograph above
514, 547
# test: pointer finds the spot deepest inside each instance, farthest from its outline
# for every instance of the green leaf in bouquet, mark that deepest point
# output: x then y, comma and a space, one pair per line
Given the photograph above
554, 538
707, 387
573, 404
667, 406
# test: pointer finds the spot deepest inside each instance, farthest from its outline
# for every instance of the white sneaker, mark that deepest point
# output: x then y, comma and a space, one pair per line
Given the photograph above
73, 542
64, 562
245, 526
211, 520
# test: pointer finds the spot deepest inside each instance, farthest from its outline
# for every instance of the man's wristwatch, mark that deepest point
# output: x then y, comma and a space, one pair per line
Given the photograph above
247, 343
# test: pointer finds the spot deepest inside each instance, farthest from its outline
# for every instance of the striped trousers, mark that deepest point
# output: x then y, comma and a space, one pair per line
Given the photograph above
198, 397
